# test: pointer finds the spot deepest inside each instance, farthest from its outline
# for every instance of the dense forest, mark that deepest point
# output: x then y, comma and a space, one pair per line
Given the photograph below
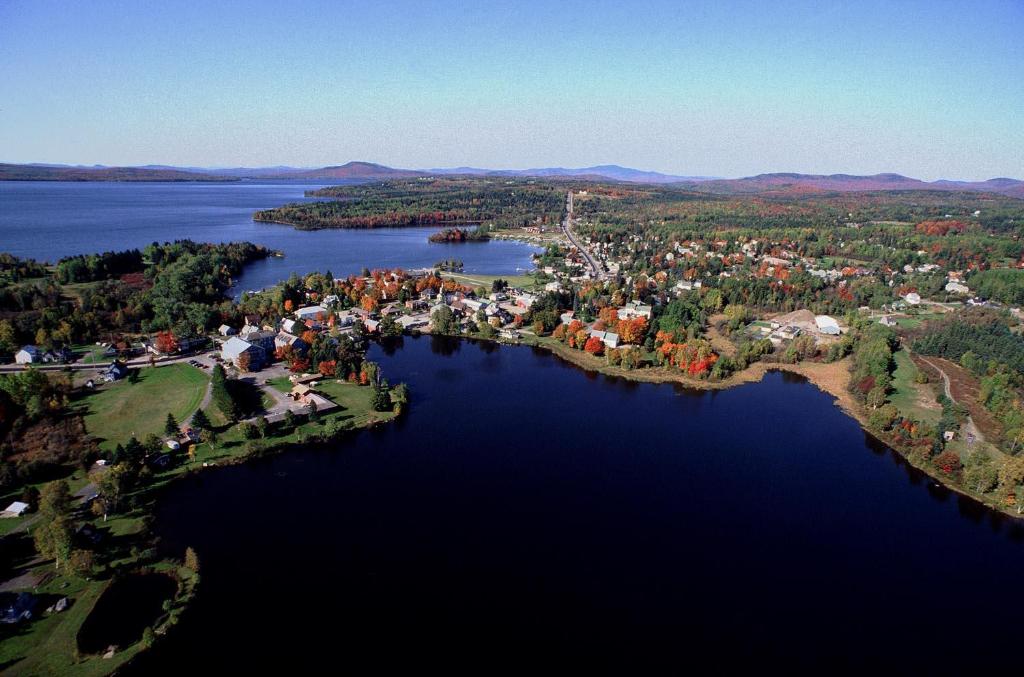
422, 202
986, 335
178, 285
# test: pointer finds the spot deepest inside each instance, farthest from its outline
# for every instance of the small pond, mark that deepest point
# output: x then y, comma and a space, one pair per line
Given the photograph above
124, 611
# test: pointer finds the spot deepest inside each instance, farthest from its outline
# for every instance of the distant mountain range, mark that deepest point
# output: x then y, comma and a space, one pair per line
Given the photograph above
368, 171
783, 182
613, 172
97, 173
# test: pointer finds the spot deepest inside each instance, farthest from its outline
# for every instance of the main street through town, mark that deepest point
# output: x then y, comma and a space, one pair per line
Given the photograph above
595, 268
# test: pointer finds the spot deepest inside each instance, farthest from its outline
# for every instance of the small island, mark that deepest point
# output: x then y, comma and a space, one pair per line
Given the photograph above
454, 235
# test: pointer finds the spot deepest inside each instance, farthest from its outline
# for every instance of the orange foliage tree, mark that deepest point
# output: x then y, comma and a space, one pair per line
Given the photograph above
633, 330
166, 342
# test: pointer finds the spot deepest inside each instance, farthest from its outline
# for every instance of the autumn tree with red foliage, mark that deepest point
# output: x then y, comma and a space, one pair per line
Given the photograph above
166, 342
940, 228
949, 463
594, 346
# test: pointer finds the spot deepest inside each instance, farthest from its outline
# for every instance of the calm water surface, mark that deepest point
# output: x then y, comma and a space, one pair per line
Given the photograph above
525, 515
50, 219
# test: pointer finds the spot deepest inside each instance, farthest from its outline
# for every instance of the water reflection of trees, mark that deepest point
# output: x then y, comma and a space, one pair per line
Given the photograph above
391, 344
444, 345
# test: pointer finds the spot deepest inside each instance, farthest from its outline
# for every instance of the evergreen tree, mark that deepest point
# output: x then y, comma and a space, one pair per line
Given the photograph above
200, 421
171, 428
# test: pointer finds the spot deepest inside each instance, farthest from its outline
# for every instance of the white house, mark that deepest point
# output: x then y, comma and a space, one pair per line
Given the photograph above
913, 298
525, 300
311, 312
634, 309
412, 321
234, 347
957, 288
27, 355
227, 330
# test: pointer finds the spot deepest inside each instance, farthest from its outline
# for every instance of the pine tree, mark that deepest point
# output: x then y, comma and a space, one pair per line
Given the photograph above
171, 426
200, 421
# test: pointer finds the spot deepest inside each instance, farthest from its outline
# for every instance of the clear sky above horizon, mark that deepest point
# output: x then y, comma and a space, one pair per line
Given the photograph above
928, 89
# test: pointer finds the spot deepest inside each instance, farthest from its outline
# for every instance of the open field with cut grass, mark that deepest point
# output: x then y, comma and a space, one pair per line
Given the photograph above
140, 403
916, 400
473, 280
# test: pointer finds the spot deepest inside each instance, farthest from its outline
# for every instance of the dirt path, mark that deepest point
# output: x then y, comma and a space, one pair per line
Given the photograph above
207, 397
721, 344
969, 426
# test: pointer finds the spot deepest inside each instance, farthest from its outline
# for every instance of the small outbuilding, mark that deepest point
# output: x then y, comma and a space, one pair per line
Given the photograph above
827, 325
16, 509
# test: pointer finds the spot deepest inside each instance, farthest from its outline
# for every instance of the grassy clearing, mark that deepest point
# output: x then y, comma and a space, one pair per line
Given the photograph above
910, 396
91, 353
522, 281
281, 383
75, 289
117, 411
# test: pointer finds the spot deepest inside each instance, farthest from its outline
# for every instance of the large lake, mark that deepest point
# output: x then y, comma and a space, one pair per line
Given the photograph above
527, 515
49, 219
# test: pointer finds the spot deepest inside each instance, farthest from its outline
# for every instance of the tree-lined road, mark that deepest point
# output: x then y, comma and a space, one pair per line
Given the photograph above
595, 268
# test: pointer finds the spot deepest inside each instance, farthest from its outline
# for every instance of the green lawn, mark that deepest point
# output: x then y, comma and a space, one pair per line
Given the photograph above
907, 394
353, 399
909, 322
281, 383
91, 353
473, 280
49, 646
118, 410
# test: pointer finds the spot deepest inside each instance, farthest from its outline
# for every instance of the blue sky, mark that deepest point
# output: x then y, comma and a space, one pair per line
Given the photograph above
929, 89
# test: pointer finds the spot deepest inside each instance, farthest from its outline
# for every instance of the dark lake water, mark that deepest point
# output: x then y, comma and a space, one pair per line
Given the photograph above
50, 219
525, 515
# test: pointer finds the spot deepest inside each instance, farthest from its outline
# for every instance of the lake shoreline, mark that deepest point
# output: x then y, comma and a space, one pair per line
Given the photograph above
828, 377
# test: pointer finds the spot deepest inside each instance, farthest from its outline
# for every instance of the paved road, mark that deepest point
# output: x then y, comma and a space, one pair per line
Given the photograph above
567, 231
99, 366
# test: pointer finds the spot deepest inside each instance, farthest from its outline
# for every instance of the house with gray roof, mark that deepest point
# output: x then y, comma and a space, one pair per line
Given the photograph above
235, 347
